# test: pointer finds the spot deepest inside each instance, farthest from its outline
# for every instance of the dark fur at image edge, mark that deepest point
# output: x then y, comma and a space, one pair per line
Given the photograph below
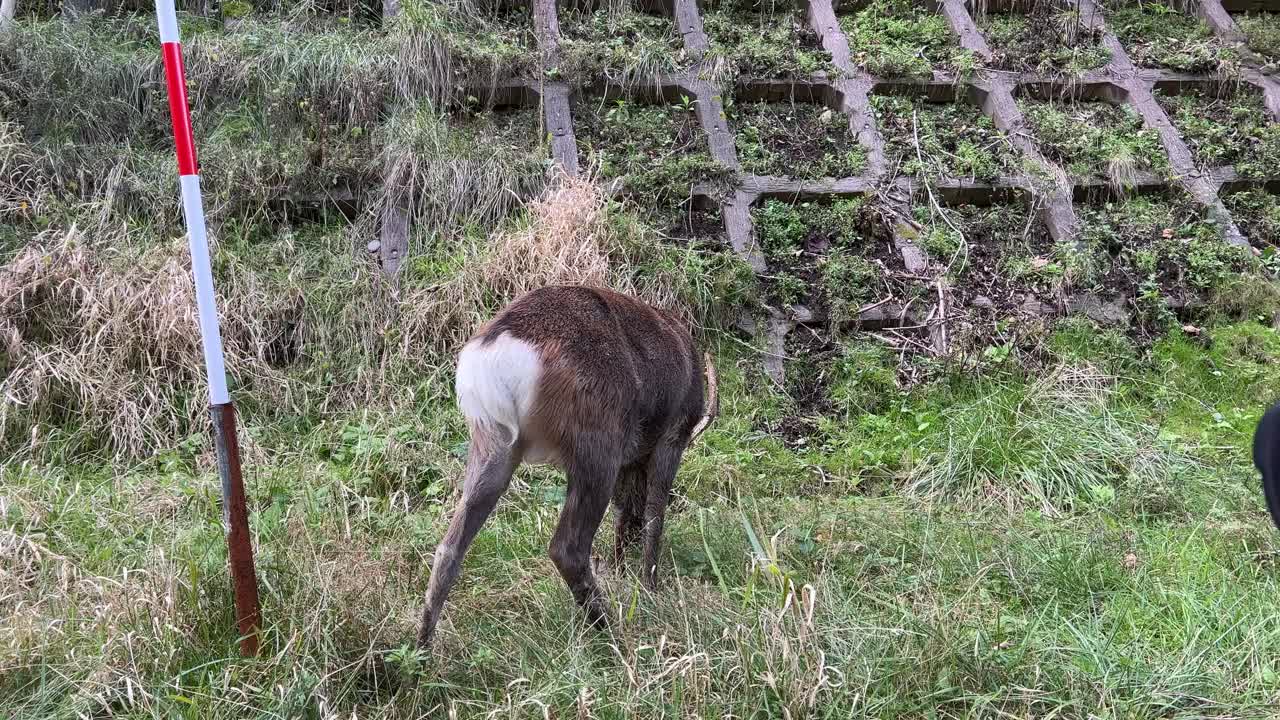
1266, 456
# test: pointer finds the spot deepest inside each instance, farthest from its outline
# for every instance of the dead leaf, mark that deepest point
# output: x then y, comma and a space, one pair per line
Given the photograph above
1039, 262
1130, 561
1167, 233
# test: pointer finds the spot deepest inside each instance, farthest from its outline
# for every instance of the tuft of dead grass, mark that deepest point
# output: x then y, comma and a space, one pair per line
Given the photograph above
101, 347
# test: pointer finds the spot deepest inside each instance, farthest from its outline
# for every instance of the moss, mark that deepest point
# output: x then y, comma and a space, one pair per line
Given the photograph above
1096, 139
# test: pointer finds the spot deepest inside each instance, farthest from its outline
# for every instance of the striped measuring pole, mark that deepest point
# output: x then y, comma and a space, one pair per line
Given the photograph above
235, 515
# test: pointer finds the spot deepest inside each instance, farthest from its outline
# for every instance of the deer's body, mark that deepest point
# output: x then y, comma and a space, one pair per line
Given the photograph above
601, 385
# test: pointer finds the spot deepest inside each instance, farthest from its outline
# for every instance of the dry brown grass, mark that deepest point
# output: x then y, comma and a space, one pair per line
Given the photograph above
103, 339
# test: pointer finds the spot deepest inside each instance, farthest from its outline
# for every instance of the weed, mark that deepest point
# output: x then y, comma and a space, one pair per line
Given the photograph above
953, 140
1157, 34
1233, 130
658, 151
1096, 139
801, 140
818, 255
893, 41
763, 39
623, 45
1050, 39
1262, 33
1161, 249
1257, 213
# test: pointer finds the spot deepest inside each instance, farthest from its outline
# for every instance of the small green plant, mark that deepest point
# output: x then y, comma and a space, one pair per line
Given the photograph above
1157, 34
817, 250
953, 140
894, 41
1257, 214
1233, 130
1096, 139
800, 140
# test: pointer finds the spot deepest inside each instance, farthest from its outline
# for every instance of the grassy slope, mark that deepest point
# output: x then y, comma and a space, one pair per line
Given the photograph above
1081, 542
1148, 593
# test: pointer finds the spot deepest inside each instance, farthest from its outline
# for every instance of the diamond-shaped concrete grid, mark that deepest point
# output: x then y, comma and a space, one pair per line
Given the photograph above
1119, 82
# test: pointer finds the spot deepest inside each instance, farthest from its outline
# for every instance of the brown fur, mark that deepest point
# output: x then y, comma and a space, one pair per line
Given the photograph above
619, 397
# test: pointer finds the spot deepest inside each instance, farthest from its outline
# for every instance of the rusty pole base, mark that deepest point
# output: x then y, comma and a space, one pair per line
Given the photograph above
235, 523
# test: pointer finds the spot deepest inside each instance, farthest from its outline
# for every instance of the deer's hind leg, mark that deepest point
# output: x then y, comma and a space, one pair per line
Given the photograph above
662, 467
628, 504
592, 470
490, 463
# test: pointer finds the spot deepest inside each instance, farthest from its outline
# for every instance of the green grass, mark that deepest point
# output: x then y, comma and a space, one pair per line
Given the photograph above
621, 44
1048, 41
1262, 33
953, 139
1220, 131
659, 151
1087, 541
1096, 139
1157, 35
763, 39
801, 140
903, 40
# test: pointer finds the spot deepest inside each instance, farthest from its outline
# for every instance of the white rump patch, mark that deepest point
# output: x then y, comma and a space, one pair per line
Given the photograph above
497, 382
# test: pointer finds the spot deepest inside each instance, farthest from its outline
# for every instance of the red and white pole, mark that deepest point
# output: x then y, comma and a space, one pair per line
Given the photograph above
235, 515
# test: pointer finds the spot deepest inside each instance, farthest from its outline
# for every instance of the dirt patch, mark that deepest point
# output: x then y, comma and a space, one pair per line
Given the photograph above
953, 140
799, 140
764, 39
1226, 130
1096, 140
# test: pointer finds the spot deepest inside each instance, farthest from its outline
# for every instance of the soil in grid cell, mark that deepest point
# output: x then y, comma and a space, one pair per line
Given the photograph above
795, 139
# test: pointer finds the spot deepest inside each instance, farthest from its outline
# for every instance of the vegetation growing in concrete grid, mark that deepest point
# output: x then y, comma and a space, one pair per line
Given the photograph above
659, 152
621, 44
954, 140
1048, 38
1257, 214
896, 40
1262, 34
818, 255
1096, 140
1227, 129
763, 38
1163, 249
795, 139
1159, 35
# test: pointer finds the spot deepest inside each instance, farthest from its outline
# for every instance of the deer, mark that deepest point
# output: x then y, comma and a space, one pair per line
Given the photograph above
604, 387
1266, 458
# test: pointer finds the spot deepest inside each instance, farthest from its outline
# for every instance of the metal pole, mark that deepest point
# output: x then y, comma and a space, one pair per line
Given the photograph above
235, 515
